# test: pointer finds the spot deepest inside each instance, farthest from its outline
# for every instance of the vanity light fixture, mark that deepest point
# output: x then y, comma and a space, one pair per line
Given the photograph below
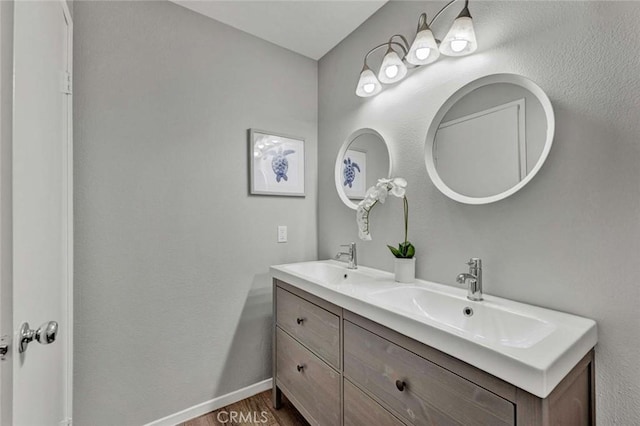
424, 49
392, 69
368, 85
460, 40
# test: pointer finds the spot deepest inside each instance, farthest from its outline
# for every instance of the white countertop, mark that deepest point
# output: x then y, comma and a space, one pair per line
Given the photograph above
530, 347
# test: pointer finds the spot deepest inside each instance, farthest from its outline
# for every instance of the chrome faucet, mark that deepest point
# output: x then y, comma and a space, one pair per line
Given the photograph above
473, 279
352, 260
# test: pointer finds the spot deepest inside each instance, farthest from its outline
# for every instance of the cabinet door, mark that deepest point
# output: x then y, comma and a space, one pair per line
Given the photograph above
314, 327
312, 386
420, 392
361, 410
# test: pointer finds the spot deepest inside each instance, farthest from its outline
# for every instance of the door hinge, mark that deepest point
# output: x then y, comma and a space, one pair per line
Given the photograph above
67, 85
4, 347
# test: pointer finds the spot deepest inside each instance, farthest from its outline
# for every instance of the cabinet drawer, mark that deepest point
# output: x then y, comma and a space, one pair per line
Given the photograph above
431, 395
361, 410
312, 385
313, 326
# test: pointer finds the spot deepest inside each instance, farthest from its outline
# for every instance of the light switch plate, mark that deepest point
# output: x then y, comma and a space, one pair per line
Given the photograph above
282, 234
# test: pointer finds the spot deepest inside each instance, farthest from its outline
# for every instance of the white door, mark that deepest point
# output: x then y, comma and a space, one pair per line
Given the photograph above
484, 153
42, 211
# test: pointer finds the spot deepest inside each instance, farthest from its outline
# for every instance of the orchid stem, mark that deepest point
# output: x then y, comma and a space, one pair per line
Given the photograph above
406, 220
368, 210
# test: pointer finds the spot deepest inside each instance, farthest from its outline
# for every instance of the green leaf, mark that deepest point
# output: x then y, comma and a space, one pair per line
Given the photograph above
406, 250
394, 251
411, 251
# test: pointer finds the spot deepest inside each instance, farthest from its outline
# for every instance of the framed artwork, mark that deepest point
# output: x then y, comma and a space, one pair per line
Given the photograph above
354, 174
276, 164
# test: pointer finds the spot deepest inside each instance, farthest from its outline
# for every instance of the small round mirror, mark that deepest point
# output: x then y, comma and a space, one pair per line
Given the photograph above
363, 159
489, 139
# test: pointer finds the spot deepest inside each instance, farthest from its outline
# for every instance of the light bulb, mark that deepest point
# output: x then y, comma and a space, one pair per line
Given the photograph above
423, 53
368, 84
458, 45
424, 49
392, 69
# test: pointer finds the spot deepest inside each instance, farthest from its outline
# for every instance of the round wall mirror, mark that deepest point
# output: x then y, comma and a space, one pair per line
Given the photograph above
489, 139
363, 159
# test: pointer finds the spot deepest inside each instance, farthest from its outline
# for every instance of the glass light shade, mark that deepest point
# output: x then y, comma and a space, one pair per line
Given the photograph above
392, 69
368, 85
424, 49
461, 38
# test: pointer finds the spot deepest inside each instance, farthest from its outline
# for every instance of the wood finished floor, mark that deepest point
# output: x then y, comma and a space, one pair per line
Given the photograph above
253, 407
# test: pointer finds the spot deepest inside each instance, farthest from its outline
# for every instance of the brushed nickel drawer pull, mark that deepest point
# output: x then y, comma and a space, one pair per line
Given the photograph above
400, 384
300, 368
300, 320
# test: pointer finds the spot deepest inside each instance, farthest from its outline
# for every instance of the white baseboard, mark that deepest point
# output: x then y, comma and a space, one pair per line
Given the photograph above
213, 404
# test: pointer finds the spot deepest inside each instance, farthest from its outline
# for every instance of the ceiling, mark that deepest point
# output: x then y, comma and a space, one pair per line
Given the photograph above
308, 27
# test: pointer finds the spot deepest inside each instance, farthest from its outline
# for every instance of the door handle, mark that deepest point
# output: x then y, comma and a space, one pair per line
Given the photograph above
4, 348
44, 335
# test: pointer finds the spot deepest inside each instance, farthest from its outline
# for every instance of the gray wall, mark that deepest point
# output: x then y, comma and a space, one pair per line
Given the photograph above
570, 239
172, 287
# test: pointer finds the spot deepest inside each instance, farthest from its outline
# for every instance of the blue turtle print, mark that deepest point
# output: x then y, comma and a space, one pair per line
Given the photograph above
349, 172
279, 163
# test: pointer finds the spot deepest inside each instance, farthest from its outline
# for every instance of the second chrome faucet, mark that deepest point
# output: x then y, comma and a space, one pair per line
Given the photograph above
351, 255
473, 279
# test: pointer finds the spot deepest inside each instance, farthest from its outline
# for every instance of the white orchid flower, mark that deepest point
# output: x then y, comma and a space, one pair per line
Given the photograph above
402, 182
382, 194
398, 191
362, 218
379, 192
371, 194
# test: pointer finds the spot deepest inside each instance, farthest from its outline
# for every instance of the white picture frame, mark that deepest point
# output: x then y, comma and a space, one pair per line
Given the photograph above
354, 174
276, 164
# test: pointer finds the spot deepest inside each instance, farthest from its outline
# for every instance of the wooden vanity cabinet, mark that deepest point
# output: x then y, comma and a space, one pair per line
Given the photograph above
314, 327
416, 389
312, 385
361, 410
339, 368
307, 348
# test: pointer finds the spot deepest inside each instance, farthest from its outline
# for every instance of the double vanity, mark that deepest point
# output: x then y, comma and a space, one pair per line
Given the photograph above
353, 347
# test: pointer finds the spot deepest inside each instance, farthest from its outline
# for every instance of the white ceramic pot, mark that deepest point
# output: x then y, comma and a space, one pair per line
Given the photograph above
405, 270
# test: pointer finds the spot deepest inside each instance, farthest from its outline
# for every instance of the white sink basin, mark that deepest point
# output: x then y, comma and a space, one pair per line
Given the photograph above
329, 273
482, 321
531, 347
